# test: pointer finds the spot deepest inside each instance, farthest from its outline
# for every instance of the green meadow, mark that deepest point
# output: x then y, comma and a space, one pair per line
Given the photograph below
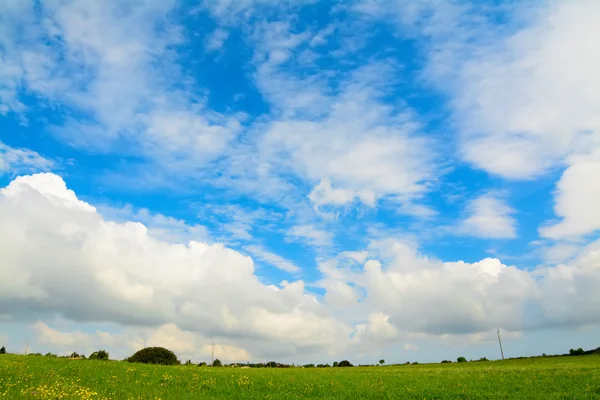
35, 377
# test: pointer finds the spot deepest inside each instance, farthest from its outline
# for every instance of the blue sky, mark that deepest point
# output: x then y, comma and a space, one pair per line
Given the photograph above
303, 180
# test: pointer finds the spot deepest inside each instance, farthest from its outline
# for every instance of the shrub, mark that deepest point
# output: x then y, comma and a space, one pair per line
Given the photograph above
202, 364
345, 363
271, 364
335, 363
3, 350
461, 359
154, 355
382, 361
74, 355
217, 363
50, 355
446, 362
99, 355
309, 366
577, 352
483, 359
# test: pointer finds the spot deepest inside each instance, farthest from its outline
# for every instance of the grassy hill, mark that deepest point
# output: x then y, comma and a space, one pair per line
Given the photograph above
536, 378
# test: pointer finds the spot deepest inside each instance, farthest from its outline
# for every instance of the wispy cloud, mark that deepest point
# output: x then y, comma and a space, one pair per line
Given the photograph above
275, 260
15, 161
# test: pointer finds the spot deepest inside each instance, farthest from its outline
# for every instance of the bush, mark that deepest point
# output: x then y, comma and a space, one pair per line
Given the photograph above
446, 362
50, 355
461, 359
99, 355
202, 364
335, 363
345, 363
154, 355
381, 362
3, 350
217, 363
577, 352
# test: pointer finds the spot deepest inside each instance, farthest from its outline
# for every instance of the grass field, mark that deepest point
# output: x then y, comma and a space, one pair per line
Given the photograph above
539, 378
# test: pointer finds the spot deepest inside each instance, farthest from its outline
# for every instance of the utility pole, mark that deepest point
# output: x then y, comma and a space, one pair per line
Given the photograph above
27, 346
500, 342
213, 355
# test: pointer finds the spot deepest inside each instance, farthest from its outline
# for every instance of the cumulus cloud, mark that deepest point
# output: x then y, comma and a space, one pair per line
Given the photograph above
421, 296
117, 272
60, 257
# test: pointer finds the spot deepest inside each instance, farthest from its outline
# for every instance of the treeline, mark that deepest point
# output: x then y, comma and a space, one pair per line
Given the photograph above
160, 355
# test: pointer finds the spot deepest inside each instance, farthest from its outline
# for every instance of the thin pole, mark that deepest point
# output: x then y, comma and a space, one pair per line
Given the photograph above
213, 354
27, 346
500, 341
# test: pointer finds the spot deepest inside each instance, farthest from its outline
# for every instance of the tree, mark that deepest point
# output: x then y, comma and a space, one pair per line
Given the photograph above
154, 355
461, 359
202, 364
74, 355
217, 363
3, 350
382, 361
99, 355
335, 363
345, 363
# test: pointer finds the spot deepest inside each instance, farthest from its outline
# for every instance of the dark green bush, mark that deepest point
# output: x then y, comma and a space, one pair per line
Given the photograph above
461, 359
217, 363
99, 355
345, 363
577, 352
3, 350
154, 355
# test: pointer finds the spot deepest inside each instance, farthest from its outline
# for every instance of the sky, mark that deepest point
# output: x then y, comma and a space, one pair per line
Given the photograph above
300, 181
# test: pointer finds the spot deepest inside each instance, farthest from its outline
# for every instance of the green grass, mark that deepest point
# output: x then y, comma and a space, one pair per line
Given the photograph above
539, 378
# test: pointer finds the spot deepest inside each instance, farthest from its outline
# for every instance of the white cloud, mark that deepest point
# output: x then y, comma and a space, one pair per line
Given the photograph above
422, 296
333, 131
159, 226
526, 102
310, 235
117, 272
488, 216
324, 194
216, 40
272, 258
187, 296
112, 63
56, 338
21, 161
577, 200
